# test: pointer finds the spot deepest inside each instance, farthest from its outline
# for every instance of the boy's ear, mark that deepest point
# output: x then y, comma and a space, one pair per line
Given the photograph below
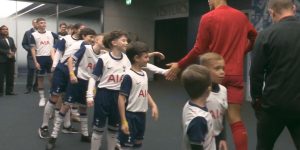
135, 58
114, 42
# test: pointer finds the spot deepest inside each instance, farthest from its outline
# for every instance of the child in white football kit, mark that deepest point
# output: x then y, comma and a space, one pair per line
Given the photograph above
42, 42
197, 122
85, 58
217, 100
134, 98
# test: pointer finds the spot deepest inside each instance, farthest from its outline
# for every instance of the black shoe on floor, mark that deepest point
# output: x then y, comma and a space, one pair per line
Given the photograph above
86, 139
44, 132
69, 130
51, 143
10, 93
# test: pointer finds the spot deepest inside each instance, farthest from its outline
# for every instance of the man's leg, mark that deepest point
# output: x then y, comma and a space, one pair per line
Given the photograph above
30, 74
293, 125
2, 73
10, 76
269, 127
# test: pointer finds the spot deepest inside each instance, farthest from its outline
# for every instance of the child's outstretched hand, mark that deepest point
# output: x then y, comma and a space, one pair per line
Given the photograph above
124, 127
90, 102
155, 113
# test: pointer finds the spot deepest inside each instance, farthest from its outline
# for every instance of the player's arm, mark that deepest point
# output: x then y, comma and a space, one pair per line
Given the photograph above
71, 63
153, 106
33, 52
97, 73
124, 93
196, 132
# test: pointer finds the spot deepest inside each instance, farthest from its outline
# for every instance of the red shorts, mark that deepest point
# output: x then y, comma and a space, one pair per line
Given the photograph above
235, 88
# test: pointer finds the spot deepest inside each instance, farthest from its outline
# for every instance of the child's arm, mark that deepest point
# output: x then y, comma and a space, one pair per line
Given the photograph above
73, 77
122, 110
196, 132
159, 54
155, 69
97, 72
222, 138
125, 90
57, 54
153, 106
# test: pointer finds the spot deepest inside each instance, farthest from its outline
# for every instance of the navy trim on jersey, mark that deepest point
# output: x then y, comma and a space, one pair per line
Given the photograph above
138, 73
74, 38
215, 88
197, 130
126, 86
55, 36
98, 70
79, 54
115, 57
203, 108
61, 45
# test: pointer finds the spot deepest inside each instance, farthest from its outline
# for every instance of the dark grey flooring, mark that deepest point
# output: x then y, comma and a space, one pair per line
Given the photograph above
21, 117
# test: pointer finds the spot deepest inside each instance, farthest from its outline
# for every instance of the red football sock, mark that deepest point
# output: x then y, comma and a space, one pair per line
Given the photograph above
239, 135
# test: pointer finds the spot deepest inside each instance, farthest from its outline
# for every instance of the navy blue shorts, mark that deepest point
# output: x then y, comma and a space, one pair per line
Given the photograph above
60, 80
137, 124
76, 93
106, 108
45, 64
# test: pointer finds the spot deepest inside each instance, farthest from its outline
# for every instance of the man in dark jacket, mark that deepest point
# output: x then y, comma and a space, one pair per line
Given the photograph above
30, 64
7, 61
275, 76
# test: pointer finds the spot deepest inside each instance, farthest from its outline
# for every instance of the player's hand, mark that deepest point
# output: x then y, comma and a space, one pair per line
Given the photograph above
155, 113
223, 145
124, 127
52, 69
157, 54
173, 71
90, 102
37, 66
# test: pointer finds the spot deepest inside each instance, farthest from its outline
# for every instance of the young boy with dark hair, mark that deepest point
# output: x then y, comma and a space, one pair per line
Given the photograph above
134, 98
197, 122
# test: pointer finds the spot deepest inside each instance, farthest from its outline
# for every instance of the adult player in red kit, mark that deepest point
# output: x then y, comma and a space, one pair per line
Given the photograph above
228, 32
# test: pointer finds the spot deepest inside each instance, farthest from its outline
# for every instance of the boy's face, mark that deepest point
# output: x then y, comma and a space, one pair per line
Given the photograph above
88, 39
42, 25
216, 68
142, 60
120, 43
99, 40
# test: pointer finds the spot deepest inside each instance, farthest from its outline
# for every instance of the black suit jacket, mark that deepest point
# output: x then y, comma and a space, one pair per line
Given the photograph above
4, 49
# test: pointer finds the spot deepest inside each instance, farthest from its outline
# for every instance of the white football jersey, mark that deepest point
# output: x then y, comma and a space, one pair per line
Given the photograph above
135, 87
71, 50
190, 112
110, 71
43, 42
86, 61
217, 106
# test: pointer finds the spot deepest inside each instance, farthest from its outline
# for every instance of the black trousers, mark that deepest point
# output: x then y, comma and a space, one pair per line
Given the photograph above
31, 74
7, 72
271, 124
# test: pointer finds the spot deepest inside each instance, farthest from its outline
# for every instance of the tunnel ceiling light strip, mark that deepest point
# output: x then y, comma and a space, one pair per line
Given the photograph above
30, 10
8, 8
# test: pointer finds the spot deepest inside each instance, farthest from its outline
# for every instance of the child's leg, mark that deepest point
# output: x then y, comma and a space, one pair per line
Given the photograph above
59, 119
83, 121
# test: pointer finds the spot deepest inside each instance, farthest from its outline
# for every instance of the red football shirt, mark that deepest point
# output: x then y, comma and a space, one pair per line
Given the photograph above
225, 31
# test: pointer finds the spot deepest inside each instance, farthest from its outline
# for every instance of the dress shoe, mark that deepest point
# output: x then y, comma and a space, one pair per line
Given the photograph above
10, 93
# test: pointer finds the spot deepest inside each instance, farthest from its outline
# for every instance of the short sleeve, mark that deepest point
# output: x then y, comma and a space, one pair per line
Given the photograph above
61, 45
197, 130
126, 86
98, 70
78, 55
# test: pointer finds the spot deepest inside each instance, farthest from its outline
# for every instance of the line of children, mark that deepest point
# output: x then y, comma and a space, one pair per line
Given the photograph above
60, 79
80, 72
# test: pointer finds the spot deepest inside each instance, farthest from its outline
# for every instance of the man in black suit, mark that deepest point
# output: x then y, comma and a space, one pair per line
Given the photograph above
7, 61
30, 64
